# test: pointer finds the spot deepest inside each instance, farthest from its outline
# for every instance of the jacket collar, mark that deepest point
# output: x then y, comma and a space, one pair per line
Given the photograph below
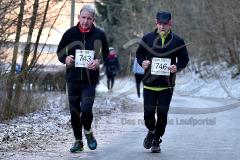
86, 31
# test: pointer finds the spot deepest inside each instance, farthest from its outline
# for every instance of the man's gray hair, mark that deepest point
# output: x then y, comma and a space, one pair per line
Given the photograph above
89, 9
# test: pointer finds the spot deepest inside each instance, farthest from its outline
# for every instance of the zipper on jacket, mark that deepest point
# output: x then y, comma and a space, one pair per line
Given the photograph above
84, 42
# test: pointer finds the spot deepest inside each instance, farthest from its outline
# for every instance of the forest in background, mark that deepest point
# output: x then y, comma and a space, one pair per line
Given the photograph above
210, 27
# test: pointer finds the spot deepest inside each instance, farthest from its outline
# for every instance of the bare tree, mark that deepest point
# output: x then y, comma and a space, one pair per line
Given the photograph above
9, 107
26, 53
25, 23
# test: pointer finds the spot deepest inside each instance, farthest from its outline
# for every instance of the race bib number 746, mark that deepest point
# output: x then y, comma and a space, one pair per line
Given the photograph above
83, 57
160, 66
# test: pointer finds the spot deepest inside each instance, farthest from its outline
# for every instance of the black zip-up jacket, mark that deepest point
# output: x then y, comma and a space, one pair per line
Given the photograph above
112, 66
74, 39
174, 48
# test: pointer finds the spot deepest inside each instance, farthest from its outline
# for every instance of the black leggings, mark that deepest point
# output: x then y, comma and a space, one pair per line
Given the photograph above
110, 81
156, 101
81, 98
138, 78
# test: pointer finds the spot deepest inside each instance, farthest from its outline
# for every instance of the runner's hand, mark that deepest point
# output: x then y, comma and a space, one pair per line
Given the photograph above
173, 68
145, 64
94, 64
69, 60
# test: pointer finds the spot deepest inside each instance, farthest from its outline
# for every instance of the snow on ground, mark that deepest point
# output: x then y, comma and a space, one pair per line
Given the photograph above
26, 132
50, 127
187, 84
216, 83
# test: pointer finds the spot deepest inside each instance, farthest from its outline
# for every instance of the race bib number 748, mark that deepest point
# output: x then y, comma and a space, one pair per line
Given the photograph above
160, 66
83, 57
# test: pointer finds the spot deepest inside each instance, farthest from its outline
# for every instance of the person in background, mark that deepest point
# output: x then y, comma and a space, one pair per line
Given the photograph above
161, 53
138, 73
81, 48
112, 67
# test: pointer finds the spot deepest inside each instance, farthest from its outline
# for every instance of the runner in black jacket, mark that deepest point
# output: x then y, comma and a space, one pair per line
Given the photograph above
161, 53
112, 68
81, 49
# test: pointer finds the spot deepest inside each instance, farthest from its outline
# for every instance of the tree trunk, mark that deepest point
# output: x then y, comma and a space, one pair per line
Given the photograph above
9, 108
35, 57
24, 73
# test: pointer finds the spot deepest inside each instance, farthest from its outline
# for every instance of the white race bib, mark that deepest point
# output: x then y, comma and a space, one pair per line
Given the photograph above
83, 57
160, 66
